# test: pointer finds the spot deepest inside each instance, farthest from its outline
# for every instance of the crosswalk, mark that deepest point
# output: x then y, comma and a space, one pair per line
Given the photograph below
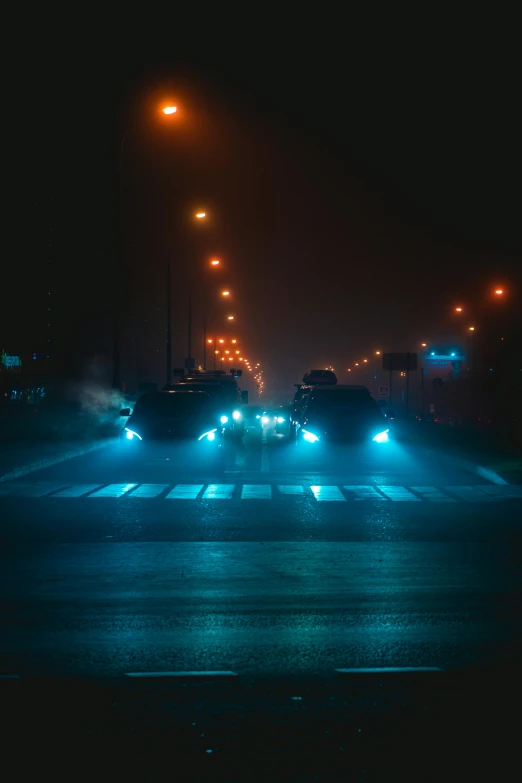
344, 493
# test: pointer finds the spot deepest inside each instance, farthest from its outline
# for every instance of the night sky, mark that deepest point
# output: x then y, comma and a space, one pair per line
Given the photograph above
358, 186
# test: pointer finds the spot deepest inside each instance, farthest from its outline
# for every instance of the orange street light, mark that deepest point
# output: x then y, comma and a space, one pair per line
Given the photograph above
458, 309
499, 291
216, 351
210, 340
215, 262
423, 345
230, 317
233, 341
349, 369
356, 364
471, 328
227, 351
225, 293
170, 110
230, 358
237, 351
221, 341
201, 215
377, 353
365, 360
240, 358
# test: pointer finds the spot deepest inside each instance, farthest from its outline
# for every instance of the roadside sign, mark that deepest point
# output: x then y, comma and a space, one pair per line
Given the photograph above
384, 391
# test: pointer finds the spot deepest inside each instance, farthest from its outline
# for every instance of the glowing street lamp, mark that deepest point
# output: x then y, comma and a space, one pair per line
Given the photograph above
471, 328
201, 215
424, 345
458, 309
215, 262
365, 361
221, 341
216, 351
170, 110
230, 317
356, 364
377, 353
225, 293
210, 341
499, 291
233, 341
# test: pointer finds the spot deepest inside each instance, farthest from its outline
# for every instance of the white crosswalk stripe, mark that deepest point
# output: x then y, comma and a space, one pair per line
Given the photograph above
327, 493
185, 492
483, 493
364, 493
148, 490
219, 491
256, 492
113, 491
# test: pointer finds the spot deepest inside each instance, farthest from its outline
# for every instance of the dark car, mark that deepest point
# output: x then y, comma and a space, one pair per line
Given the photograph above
225, 390
342, 414
183, 421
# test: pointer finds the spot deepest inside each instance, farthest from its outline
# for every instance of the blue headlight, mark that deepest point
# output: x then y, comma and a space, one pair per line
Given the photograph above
210, 435
280, 419
223, 419
131, 434
236, 415
310, 437
382, 437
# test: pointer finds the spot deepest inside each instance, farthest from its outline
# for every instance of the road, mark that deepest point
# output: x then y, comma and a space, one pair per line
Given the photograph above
115, 563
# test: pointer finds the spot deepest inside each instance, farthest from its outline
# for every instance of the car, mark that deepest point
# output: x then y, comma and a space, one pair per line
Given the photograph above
276, 422
341, 414
225, 390
181, 422
252, 416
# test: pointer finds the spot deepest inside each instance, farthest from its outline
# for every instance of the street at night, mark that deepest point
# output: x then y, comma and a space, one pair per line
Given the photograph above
260, 397
115, 563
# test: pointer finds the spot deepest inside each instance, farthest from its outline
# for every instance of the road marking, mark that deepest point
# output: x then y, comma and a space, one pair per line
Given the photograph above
219, 491
76, 491
470, 494
290, 489
148, 490
113, 491
185, 492
256, 492
365, 493
501, 492
433, 494
187, 674
390, 670
327, 493
399, 493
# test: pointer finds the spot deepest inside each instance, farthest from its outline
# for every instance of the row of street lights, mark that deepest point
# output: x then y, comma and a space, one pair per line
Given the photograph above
220, 353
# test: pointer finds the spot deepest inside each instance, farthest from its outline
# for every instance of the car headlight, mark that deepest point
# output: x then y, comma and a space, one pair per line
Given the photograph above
131, 435
210, 435
258, 416
264, 419
223, 419
382, 437
310, 437
280, 419
236, 415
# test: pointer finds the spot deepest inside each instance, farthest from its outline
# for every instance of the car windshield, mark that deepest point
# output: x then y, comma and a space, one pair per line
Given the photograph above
172, 404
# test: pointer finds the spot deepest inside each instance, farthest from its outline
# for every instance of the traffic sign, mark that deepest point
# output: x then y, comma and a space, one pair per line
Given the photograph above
384, 391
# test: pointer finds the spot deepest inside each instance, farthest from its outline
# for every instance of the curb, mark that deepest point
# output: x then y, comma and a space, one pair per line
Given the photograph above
32, 467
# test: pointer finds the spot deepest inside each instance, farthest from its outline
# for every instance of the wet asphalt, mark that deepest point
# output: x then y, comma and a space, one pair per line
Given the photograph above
287, 563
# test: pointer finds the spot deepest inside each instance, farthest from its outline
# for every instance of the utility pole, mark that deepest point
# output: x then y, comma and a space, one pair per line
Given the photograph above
205, 343
169, 324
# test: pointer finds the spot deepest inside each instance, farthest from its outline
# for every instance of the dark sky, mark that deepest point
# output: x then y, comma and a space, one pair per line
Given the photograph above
360, 180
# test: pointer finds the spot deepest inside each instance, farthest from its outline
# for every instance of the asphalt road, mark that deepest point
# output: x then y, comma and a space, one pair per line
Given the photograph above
121, 562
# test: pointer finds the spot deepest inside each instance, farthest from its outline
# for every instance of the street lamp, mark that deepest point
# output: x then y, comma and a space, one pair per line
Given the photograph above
215, 262
170, 110
225, 293
458, 309
230, 317
499, 291
200, 215
377, 353
221, 341
471, 328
